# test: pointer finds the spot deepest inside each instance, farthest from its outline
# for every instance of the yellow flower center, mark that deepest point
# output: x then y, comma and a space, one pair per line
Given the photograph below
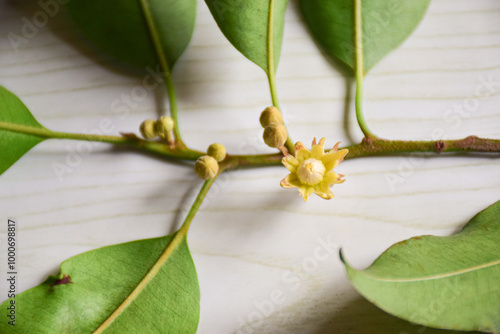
311, 172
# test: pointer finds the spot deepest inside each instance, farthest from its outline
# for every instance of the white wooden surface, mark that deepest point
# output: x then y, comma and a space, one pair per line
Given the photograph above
252, 237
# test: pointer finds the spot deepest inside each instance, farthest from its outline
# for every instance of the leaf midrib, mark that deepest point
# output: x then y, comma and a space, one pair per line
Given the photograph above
434, 277
172, 246
179, 237
146, 9
38, 131
358, 40
270, 39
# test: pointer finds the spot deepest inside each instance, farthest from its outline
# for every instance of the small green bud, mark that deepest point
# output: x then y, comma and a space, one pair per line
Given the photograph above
275, 135
147, 129
270, 115
206, 167
163, 126
217, 151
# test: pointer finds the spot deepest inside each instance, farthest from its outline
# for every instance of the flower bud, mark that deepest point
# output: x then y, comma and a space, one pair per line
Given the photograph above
311, 171
217, 151
147, 129
163, 126
270, 115
275, 135
206, 167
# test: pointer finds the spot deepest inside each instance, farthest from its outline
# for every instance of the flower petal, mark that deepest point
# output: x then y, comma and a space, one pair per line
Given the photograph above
306, 192
302, 154
327, 194
330, 178
318, 150
291, 163
332, 159
299, 145
290, 181
336, 147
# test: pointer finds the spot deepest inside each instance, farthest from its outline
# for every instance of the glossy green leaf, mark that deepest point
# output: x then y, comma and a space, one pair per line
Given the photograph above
157, 275
254, 27
443, 282
386, 24
14, 145
141, 33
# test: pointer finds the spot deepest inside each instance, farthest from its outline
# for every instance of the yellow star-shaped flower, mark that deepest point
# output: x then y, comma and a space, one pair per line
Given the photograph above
312, 171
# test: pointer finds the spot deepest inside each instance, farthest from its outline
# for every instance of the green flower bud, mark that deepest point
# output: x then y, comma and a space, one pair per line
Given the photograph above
206, 167
275, 135
147, 129
270, 115
163, 126
217, 151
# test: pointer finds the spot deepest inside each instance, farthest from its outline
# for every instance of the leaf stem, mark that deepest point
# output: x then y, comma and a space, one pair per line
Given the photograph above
169, 84
271, 70
360, 69
130, 140
196, 205
46, 133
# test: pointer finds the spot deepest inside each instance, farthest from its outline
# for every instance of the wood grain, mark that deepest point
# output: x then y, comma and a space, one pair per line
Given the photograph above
252, 237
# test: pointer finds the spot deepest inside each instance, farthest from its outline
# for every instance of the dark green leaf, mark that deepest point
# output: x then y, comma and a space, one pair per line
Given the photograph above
137, 32
157, 275
254, 27
14, 145
386, 24
443, 282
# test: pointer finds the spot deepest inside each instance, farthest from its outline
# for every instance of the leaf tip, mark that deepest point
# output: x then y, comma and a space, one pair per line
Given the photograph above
345, 262
341, 255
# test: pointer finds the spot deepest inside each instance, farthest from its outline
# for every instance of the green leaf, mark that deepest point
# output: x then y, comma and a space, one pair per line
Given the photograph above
443, 282
254, 27
141, 33
386, 24
14, 145
146, 286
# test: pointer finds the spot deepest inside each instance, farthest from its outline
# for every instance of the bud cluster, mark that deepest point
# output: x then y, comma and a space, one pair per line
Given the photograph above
162, 127
207, 166
275, 134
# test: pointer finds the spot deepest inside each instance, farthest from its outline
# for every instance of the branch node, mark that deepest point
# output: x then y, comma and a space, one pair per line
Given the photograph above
439, 146
467, 143
368, 141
